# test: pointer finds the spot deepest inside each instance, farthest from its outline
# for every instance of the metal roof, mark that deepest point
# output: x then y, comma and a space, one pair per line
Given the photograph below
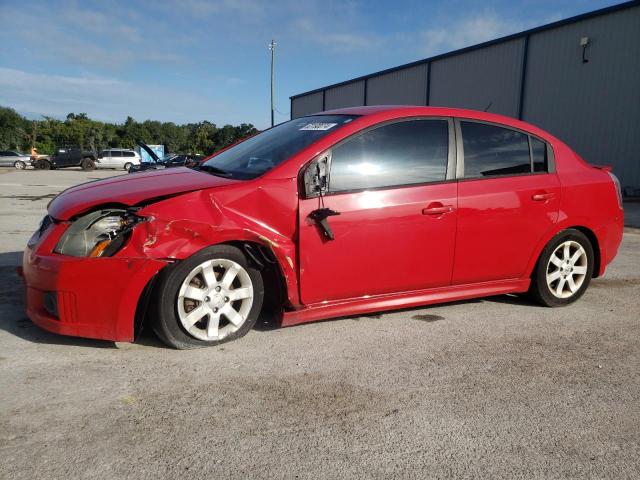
525, 33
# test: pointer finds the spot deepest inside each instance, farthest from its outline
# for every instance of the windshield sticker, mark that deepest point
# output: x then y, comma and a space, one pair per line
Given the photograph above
318, 126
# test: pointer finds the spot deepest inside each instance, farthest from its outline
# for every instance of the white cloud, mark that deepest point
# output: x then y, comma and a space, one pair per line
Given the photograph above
343, 42
465, 32
88, 38
207, 7
104, 98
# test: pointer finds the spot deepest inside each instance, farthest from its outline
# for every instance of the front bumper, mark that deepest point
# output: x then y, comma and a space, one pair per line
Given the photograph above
94, 297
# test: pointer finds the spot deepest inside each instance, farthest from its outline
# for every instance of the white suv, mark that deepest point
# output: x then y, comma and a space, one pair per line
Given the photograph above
117, 158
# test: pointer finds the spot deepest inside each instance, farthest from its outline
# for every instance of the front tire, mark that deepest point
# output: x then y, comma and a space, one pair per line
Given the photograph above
87, 164
43, 165
212, 297
564, 269
20, 165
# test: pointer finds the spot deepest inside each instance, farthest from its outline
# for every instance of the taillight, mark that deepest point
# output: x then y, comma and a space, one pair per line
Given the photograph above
616, 182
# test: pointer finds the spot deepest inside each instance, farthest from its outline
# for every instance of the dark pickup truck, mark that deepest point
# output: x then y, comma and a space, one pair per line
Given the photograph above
68, 157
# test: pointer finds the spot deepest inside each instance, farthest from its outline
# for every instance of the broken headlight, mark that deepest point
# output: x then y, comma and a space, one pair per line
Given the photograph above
97, 234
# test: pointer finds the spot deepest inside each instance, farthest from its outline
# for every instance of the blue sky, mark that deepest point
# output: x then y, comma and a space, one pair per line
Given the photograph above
194, 60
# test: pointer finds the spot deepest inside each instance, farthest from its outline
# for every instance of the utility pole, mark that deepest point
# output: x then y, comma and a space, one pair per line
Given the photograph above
272, 47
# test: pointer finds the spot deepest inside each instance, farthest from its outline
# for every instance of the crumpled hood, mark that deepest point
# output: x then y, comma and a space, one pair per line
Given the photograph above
131, 190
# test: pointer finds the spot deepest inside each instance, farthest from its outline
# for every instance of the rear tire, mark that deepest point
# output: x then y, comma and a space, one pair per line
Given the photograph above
87, 164
195, 306
127, 166
20, 165
564, 269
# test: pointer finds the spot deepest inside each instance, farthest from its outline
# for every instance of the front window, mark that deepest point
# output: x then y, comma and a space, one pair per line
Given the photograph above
261, 153
401, 153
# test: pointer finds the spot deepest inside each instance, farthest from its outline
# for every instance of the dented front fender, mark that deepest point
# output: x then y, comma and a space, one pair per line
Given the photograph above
178, 227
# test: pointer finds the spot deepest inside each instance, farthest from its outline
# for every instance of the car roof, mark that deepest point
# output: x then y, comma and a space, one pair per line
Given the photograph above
409, 109
382, 112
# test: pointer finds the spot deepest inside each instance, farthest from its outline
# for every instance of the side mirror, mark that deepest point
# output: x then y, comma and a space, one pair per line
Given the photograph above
316, 177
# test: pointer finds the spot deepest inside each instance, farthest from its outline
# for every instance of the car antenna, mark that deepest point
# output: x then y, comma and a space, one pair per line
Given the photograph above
488, 107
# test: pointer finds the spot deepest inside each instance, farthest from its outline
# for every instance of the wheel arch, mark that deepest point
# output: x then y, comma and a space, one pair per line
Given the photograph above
262, 256
259, 254
595, 244
587, 231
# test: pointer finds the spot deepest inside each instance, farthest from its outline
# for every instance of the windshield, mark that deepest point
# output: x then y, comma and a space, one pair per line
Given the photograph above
258, 154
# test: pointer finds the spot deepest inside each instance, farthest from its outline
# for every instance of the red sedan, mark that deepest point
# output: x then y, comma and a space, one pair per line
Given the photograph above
339, 213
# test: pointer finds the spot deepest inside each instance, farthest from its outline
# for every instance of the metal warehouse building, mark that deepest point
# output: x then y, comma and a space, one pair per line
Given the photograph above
578, 78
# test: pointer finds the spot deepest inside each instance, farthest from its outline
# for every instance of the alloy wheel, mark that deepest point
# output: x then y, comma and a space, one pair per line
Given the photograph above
215, 299
566, 269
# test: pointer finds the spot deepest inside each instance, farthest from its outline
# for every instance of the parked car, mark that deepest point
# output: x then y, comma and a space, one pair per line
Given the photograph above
117, 158
170, 160
11, 158
340, 213
71, 156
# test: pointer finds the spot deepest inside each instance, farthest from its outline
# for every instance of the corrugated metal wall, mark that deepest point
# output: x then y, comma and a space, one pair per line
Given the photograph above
382, 89
302, 106
488, 77
349, 95
594, 107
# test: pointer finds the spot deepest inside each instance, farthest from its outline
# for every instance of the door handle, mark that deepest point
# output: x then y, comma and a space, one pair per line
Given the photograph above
541, 197
437, 209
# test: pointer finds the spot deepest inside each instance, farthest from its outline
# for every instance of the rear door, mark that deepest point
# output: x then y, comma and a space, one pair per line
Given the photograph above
7, 158
116, 159
508, 198
392, 188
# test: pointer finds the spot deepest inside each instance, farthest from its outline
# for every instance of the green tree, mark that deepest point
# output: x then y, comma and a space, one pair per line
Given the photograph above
205, 137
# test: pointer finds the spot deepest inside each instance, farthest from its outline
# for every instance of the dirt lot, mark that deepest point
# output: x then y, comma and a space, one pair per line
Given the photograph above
487, 388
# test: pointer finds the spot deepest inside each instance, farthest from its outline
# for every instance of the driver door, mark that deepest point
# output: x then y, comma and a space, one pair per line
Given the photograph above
392, 189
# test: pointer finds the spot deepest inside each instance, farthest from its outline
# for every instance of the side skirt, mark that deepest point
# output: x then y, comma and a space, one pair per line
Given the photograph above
395, 301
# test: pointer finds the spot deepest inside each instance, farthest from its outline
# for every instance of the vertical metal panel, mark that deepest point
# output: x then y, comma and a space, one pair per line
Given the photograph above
594, 107
476, 79
402, 87
306, 105
349, 95
523, 75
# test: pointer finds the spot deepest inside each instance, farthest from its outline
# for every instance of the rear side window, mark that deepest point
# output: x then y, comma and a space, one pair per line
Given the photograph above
491, 150
128, 154
116, 153
401, 153
539, 155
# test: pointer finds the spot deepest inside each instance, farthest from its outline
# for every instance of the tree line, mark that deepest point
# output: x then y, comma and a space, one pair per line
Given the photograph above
19, 133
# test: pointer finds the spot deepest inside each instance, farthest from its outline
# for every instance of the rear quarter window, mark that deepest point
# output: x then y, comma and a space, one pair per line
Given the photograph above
540, 155
490, 150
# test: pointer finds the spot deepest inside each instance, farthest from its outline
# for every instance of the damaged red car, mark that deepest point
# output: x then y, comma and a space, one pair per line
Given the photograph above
339, 213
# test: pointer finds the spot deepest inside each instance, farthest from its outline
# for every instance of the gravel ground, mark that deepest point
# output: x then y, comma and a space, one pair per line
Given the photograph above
492, 388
